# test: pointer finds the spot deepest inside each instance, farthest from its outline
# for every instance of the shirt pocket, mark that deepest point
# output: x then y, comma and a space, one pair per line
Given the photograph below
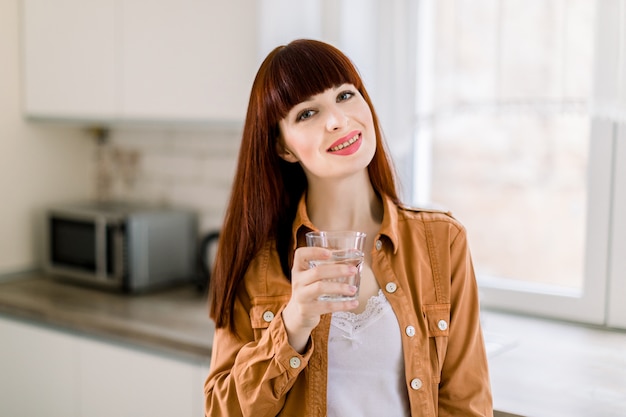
264, 311
438, 320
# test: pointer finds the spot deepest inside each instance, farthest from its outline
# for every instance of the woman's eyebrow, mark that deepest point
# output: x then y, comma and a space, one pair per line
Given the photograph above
311, 97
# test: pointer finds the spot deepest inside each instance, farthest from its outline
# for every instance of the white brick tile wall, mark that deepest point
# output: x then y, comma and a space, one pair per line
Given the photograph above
185, 167
171, 166
218, 169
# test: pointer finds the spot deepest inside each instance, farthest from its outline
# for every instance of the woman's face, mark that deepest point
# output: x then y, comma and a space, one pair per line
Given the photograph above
330, 134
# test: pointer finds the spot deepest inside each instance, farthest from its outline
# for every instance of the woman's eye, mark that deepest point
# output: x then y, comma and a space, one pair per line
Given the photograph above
303, 115
345, 95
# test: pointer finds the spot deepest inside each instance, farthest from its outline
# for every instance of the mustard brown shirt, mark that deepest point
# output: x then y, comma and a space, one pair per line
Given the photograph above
422, 262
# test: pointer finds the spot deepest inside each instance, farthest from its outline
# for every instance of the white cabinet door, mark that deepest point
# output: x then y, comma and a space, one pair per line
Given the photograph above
202, 371
38, 371
70, 58
138, 60
121, 382
188, 59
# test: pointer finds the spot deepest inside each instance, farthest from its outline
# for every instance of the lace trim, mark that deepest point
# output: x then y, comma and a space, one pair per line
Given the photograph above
351, 323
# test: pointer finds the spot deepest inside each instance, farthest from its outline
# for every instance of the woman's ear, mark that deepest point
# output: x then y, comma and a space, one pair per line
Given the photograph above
285, 153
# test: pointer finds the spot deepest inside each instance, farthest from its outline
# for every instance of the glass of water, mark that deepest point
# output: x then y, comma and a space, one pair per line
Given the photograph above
346, 248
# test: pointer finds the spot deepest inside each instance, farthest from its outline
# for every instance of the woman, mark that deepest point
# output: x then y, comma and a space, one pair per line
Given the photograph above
312, 158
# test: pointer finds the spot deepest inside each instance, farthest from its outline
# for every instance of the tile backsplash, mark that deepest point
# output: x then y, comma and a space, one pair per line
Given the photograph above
184, 167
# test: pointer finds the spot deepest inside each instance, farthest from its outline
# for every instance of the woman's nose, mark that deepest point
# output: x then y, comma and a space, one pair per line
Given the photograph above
336, 118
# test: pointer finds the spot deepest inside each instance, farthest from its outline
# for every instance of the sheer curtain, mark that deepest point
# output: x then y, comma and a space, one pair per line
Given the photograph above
380, 37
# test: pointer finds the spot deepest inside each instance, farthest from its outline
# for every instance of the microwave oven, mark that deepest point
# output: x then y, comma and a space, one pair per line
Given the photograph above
120, 246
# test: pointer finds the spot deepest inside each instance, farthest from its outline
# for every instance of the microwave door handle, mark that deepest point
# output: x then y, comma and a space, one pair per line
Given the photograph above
119, 245
101, 245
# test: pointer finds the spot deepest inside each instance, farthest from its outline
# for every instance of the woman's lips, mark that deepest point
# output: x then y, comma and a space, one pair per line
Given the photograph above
347, 145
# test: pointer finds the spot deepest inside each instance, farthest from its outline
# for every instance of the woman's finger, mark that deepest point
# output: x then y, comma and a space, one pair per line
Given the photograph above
304, 255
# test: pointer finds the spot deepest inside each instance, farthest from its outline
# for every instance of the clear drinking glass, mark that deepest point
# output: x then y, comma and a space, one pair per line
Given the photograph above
346, 248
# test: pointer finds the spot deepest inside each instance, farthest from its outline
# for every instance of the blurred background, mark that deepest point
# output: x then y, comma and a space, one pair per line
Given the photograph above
488, 108
509, 113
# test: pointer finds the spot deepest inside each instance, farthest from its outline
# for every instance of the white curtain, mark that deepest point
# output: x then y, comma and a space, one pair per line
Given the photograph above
380, 36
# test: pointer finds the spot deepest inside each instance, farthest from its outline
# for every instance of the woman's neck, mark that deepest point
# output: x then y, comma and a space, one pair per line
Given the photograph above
344, 205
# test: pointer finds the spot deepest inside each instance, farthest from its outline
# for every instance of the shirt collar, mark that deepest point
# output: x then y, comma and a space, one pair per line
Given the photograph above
301, 224
389, 227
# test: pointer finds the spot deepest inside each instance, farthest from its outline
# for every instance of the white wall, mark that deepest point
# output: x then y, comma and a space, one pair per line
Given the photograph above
39, 165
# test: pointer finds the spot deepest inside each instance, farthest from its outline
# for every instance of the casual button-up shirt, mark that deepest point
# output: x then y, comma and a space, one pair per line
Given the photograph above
421, 260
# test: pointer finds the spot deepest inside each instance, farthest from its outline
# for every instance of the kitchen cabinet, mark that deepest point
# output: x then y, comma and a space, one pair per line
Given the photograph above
53, 373
70, 58
38, 372
118, 381
188, 59
139, 60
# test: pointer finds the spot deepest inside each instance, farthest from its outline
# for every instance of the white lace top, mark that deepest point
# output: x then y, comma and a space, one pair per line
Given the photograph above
365, 363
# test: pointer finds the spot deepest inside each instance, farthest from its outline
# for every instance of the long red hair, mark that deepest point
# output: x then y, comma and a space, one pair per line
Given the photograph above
266, 189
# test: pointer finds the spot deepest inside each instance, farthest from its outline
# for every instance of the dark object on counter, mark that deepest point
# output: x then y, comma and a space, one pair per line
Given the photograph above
121, 246
207, 249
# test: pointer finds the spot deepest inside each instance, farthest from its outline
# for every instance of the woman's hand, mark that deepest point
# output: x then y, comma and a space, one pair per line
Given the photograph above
304, 309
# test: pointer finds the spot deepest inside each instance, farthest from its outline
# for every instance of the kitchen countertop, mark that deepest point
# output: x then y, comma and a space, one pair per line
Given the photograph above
172, 321
550, 368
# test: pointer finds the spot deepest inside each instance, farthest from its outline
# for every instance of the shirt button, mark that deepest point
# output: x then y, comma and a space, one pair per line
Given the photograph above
442, 325
391, 287
410, 331
379, 244
416, 383
268, 316
294, 362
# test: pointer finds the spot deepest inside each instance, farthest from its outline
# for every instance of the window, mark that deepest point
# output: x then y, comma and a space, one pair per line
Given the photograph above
507, 140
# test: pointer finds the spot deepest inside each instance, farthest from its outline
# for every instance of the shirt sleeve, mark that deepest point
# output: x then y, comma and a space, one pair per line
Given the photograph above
251, 377
465, 387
